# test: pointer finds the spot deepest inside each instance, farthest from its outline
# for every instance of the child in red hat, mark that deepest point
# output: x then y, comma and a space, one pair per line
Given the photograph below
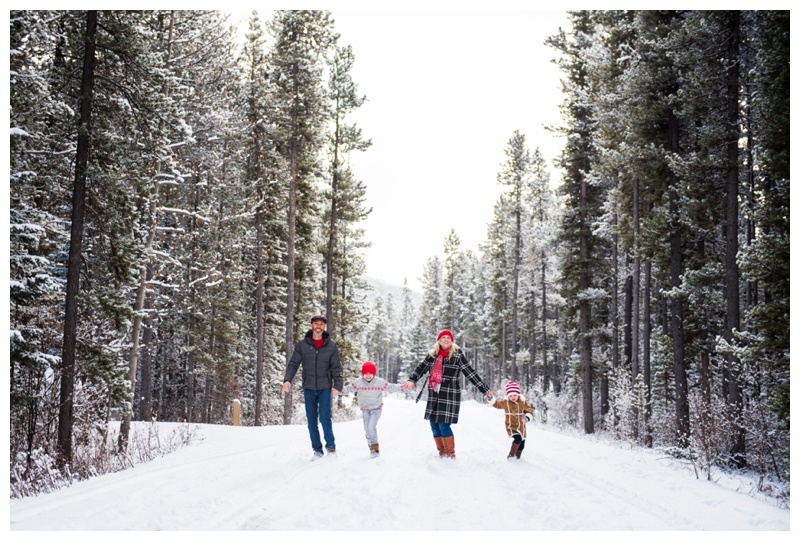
518, 412
370, 388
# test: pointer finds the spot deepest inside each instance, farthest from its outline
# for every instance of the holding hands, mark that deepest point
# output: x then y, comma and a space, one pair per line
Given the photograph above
409, 386
287, 386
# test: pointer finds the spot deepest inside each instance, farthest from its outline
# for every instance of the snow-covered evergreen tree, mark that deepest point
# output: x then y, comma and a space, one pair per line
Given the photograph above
302, 40
584, 254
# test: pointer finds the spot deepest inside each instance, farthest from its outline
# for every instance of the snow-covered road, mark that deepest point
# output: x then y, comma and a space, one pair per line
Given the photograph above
248, 478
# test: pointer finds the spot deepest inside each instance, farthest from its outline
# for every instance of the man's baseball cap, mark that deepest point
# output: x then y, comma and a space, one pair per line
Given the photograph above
315, 318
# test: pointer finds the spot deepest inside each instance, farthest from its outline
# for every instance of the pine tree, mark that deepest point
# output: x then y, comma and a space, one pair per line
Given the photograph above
709, 148
184, 135
497, 252
346, 207
583, 252
206, 65
451, 280
541, 251
515, 175
765, 261
405, 334
65, 418
430, 318
255, 97
302, 39
36, 235
380, 337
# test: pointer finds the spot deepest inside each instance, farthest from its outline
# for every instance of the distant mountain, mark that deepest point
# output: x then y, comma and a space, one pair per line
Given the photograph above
383, 289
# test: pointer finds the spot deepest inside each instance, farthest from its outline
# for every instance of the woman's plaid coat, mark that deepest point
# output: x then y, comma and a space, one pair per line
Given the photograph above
443, 407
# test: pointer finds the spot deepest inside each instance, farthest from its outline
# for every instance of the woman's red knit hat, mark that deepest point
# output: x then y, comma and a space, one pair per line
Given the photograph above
368, 368
445, 332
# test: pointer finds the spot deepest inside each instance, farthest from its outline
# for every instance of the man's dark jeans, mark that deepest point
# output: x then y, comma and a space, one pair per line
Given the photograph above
318, 410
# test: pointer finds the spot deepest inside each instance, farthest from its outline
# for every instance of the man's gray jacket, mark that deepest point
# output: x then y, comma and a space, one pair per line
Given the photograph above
322, 368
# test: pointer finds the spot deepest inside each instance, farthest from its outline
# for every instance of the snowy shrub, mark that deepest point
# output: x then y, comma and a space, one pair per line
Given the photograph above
341, 412
560, 410
627, 406
151, 440
766, 440
767, 445
36, 473
95, 453
662, 423
712, 427
271, 409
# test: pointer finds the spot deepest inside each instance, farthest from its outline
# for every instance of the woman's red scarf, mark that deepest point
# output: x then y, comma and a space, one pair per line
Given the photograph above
436, 372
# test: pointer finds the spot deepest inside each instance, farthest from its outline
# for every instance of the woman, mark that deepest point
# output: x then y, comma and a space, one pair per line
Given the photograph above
446, 361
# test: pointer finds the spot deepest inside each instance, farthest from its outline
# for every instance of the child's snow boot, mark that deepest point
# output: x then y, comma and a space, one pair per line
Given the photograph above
514, 452
374, 451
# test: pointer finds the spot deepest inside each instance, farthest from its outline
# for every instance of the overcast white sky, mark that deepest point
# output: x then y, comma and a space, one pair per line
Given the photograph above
446, 89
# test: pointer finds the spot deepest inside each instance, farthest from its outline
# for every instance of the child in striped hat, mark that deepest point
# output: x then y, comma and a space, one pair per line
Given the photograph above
518, 412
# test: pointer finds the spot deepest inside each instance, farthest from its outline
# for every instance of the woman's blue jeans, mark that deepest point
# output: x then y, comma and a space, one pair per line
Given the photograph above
318, 411
441, 430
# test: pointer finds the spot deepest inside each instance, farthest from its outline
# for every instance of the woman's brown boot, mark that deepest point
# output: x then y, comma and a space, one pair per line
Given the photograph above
449, 447
440, 446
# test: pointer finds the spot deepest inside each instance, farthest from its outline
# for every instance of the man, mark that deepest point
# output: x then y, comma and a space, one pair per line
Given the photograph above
322, 370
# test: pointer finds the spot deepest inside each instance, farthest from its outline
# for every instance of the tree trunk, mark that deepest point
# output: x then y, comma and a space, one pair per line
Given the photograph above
627, 317
287, 402
259, 312
503, 354
514, 297
545, 368
208, 391
192, 413
676, 268
751, 286
604, 405
732, 232
257, 171
531, 375
146, 385
635, 287
647, 331
332, 234
67, 388
557, 355
584, 309
133, 356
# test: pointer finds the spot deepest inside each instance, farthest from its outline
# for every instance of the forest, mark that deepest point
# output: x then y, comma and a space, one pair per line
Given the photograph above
181, 202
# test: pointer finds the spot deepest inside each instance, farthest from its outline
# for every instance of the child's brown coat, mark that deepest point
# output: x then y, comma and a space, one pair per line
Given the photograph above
515, 415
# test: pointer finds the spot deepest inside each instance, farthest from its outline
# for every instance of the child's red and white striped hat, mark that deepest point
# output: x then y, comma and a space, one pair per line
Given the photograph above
512, 388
